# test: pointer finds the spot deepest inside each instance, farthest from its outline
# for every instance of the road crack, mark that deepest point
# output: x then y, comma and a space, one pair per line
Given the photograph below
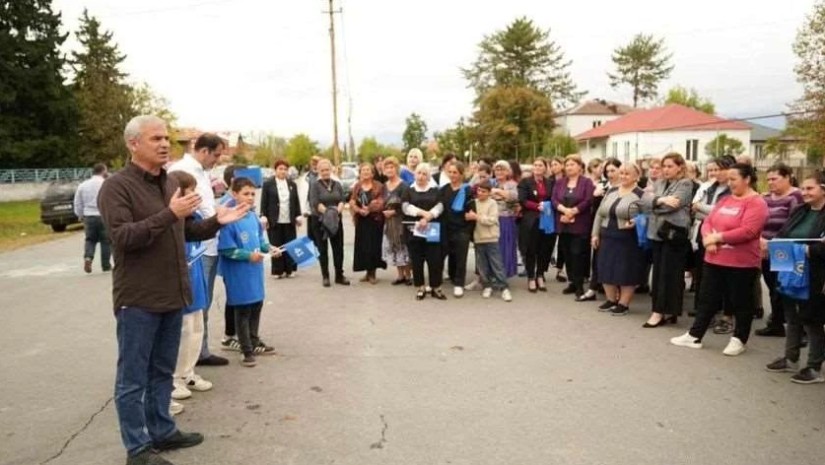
78, 432
380, 444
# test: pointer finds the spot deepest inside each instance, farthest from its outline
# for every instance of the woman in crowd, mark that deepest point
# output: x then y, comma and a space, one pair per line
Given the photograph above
782, 199
326, 199
731, 236
441, 179
808, 221
605, 177
573, 198
456, 231
556, 167
654, 173
534, 195
280, 206
421, 204
667, 229
622, 263
394, 245
367, 209
414, 157
505, 193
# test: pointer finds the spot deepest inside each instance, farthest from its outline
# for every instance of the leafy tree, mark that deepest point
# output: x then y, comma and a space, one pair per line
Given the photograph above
145, 101
37, 111
560, 145
457, 140
514, 122
809, 48
774, 146
642, 64
522, 55
724, 145
415, 132
269, 149
104, 98
300, 149
690, 98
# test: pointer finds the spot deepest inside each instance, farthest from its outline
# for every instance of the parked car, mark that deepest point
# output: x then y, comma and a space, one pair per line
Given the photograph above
348, 178
57, 206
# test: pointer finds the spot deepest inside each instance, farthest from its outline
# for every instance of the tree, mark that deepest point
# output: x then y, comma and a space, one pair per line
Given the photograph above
522, 55
514, 122
300, 149
104, 99
774, 146
457, 139
724, 145
809, 48
690, 98
37, 111
642, 64
145, 101
560, 145
269, 149
415, 132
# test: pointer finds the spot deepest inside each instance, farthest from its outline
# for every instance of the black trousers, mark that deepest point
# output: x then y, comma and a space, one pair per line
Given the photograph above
247, 322
229, 320
422, 252
456, 247
576, 251
536, 250
669, 276
337, 244
279, 234
699, 260
777, 318
798, 314
721, 284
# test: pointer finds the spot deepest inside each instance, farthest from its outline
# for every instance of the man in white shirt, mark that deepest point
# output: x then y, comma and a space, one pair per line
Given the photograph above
85, 208
205, 153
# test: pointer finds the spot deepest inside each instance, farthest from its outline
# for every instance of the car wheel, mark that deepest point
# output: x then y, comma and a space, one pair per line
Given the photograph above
58, 228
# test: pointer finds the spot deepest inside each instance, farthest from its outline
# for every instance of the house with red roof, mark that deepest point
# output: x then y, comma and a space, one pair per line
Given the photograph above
588, 115
658, 131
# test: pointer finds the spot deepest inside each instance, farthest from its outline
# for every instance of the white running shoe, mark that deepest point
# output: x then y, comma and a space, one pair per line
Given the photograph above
196, 383
181, 392
458, 291
175, 408
686, 340
735, 347
487, 292
473, 286
505, 294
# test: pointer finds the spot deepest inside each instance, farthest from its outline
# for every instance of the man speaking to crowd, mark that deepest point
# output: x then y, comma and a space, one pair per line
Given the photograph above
146, 216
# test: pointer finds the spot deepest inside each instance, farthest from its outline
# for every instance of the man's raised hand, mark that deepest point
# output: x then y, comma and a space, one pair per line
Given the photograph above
184, 205
230, 215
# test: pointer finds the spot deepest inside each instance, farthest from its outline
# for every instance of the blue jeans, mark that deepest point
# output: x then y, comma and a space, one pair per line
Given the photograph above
96, 233
210, 270
490, 267
147, 353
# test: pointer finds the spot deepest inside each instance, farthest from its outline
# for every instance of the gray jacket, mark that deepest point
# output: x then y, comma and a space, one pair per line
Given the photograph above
681, 189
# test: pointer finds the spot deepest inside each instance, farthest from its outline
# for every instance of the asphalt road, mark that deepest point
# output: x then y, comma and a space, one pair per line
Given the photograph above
368, 375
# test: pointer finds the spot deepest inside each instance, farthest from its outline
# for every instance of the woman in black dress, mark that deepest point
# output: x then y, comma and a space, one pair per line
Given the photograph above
366, 205
282, 209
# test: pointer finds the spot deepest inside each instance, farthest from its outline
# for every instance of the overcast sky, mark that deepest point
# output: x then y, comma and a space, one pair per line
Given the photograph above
264, 65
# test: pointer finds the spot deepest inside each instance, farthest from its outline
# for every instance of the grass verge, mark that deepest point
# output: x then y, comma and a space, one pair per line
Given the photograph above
20, 225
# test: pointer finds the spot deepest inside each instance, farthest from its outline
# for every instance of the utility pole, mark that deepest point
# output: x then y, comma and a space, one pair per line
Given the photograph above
336, 151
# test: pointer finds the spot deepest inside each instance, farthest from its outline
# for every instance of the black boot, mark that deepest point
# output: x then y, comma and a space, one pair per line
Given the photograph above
341, 279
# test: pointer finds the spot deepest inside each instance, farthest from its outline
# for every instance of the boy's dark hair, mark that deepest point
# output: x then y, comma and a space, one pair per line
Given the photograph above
240, 183
484, 185
229, 173
99, 169
209, 141
185, 180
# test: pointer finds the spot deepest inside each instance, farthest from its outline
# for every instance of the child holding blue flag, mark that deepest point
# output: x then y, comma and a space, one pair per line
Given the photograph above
485, 236
802, 286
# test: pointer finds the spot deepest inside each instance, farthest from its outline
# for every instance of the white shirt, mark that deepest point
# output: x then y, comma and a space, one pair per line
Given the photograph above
85, 198
192, 166
283, 201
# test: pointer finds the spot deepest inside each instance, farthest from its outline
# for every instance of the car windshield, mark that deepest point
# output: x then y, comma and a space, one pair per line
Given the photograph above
61, 189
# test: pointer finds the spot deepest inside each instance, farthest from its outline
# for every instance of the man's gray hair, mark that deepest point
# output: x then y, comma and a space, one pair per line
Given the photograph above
135, 126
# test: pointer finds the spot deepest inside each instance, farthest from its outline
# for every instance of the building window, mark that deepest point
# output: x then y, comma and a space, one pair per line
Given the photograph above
692, 149
757, 151
596, 123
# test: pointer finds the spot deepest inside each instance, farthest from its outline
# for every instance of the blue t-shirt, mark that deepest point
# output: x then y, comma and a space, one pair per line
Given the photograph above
407, 176
244, 280
197, 277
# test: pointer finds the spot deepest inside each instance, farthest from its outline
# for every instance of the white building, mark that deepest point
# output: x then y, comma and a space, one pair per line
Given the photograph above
657, 132
789, 147
588, 115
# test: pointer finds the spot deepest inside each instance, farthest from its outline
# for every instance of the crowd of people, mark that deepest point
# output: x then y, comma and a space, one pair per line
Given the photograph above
606, 226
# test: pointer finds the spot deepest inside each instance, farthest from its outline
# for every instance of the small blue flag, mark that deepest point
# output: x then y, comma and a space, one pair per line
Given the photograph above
431, 234
302, 251
795, 283
781, 255
640, 221
547, 222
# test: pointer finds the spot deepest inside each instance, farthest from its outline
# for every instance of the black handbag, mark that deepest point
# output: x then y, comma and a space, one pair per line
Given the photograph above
669, 232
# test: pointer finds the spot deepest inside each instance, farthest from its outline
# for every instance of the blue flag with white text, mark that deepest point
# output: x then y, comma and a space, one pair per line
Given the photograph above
795, 283
302, 251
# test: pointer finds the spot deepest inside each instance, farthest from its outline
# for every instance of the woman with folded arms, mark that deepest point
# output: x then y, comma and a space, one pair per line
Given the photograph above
534, 195
422, 205
733, 260
366, 206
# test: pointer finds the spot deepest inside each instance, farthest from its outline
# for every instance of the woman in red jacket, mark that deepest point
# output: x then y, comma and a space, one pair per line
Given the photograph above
733, 260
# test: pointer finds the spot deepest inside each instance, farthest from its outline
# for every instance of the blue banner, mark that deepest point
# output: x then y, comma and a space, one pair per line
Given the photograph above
302, 251
795, 283
781, 255
547, 221
432, 233
640, 222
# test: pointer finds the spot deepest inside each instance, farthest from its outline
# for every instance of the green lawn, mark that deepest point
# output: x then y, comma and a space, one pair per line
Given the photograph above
20, 225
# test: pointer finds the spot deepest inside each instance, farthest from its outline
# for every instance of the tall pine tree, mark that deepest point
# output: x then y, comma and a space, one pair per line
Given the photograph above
37, 111
103, 97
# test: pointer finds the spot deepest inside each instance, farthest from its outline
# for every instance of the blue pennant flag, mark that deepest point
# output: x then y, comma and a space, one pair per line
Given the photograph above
640, 221
796, 282
302, 251
547, 222
431, 234
781, 255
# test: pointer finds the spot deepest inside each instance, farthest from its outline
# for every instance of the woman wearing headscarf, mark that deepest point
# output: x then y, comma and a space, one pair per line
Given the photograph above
421, 204
536, 245
326, 199
573, 198
367, 209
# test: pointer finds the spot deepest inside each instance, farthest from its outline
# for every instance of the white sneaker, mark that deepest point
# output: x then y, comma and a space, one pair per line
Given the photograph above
505, 294
686, 340
175, 408
475, 285
181, 392
458, 291
196, 383
487, 292
735, 347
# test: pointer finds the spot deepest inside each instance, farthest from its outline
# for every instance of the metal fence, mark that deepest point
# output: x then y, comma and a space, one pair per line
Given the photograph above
44, 175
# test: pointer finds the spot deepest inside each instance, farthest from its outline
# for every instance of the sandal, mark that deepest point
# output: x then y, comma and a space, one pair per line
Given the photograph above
420, 294
541, 285
438, 294
531, 285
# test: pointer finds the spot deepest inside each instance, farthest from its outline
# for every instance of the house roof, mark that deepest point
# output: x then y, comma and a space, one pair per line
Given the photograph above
599, 107
761, 133
667, 118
